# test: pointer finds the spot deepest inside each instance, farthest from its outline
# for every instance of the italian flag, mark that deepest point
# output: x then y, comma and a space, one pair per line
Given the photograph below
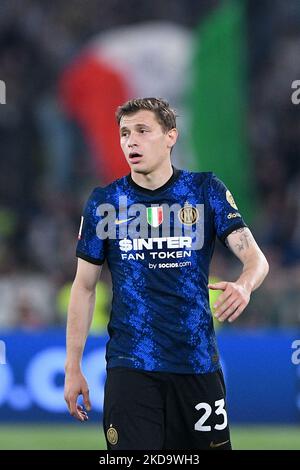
154, 216
201, 72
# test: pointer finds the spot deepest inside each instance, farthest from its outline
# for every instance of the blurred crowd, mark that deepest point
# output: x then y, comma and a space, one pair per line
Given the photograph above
46, 172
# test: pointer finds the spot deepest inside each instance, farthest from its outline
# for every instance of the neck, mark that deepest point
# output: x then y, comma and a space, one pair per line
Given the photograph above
154, 179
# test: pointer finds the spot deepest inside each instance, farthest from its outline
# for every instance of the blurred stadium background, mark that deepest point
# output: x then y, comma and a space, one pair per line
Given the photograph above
228, 68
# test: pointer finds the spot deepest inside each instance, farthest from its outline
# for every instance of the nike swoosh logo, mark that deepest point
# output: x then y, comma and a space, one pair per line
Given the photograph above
122, 221
218, 444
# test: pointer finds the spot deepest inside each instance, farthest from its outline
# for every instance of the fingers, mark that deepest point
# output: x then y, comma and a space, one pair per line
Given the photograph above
231, 302
223, 301
218, 286
227, 309
76, 385
233, 311
86, 400
236, 313
76, 410
82, 413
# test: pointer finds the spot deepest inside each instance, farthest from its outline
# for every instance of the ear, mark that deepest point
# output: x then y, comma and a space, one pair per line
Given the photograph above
172, 137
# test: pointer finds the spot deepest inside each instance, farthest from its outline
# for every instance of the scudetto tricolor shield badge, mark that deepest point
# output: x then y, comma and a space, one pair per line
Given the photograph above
155, 216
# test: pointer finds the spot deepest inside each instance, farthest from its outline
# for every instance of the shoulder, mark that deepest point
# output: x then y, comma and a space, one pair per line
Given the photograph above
197, 178
212, 186
116, 184
116, 187
214, 183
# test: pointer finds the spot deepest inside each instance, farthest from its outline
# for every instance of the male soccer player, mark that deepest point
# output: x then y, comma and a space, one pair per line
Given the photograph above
156, 227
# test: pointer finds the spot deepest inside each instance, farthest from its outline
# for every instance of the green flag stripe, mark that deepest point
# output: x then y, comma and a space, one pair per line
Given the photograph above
217, 101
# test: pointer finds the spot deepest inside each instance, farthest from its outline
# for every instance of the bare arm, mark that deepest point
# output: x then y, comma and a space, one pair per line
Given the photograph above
80, 315
236, 295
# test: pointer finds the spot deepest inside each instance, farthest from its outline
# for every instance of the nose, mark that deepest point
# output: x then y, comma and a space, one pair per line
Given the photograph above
132, 142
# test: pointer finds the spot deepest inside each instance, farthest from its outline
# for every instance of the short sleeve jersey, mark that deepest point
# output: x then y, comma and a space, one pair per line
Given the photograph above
158, 245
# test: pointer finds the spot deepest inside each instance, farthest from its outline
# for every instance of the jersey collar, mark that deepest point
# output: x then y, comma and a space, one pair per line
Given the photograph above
165, 186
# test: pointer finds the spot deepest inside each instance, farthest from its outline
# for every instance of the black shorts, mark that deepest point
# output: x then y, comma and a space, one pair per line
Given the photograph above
159, 410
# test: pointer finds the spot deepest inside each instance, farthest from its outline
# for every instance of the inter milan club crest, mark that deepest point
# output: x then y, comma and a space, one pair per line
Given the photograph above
155, 216
188, 215
112, 436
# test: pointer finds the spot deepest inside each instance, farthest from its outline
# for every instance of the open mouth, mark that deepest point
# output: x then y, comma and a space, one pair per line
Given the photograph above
135, 157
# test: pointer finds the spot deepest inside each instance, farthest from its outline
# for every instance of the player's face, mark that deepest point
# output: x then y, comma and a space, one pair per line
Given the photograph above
144, 143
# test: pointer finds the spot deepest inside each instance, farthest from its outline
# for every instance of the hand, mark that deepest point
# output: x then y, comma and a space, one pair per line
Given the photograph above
75, 385
232, 301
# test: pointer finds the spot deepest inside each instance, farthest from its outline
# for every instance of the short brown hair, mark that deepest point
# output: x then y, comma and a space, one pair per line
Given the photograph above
165, 115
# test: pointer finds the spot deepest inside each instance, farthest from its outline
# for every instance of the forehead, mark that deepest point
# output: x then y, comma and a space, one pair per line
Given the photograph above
143, 116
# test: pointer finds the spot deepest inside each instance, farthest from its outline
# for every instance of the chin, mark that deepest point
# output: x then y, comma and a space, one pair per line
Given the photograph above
143, 171
140, 169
